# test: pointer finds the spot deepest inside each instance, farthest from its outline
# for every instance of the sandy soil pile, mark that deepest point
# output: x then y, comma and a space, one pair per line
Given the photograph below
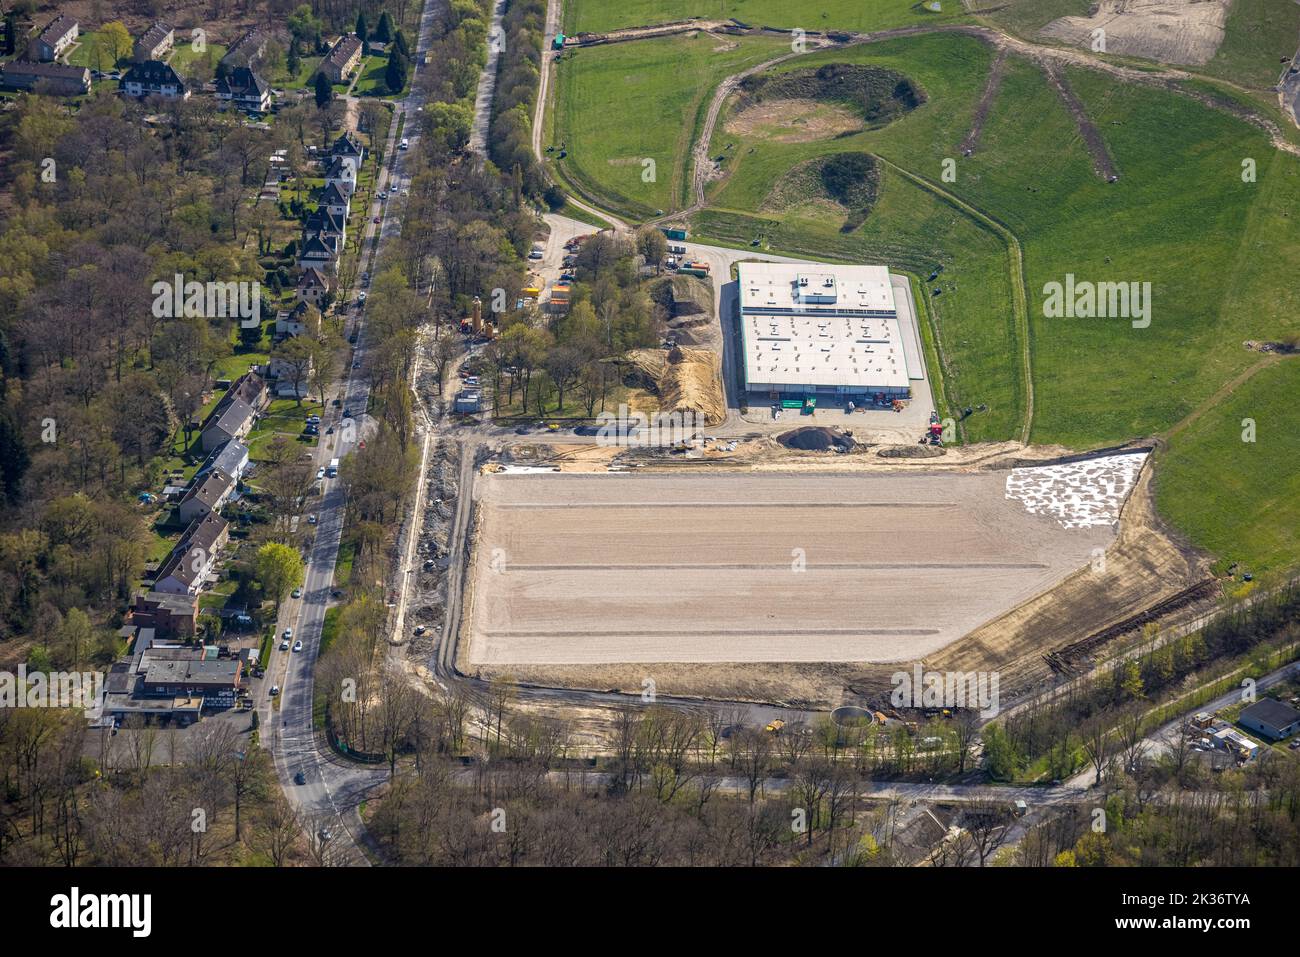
686, 380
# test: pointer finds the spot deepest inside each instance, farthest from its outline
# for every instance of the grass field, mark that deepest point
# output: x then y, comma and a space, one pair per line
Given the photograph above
622, 105
1240, 500
1217, 249
597, 16
1258, 34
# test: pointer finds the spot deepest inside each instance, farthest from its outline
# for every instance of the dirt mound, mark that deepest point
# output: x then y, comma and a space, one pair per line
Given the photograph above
688, 303
813, 438
877, 94
686, 380
1168, 31
917, 451
849, 182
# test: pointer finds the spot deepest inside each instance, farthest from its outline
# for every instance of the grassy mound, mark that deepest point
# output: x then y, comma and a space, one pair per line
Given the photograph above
847, 181
878, 93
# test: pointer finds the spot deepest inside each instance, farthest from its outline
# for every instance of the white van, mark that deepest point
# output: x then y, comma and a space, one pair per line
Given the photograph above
405, 144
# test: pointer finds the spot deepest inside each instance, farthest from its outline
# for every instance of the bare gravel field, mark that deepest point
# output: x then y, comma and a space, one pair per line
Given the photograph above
585, 569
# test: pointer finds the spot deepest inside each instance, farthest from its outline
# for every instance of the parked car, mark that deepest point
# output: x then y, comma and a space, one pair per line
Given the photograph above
300, 778
320, 473
297, 593
275, 690
284, 645
311, 519
288, 633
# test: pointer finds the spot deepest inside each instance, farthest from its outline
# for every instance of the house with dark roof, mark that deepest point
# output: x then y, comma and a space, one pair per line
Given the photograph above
313, 286
245, 90
55, 38
54, 78
249, 49
232, 419
343, 59
154, 44
348, 147
1275, 720
335, 200
251, 388
153, 78
194, 557
323, 221
319, 252
206, 494
341, 173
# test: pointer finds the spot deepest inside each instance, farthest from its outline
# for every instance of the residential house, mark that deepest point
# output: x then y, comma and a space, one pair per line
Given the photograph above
319, 252
154, 44
313, 287
250, 387
248, 50
217, 679
206, 494
341, 173
233, 418
245, 89
292, 379
234, 415
51, 43
333, 199
323, 221
170, 616
154, 78
348, 148
231, 458
1275, 720
302, 318
194, 557
343, 59
54, 78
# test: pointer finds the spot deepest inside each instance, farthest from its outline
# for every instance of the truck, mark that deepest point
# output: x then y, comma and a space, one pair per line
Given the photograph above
333, 469
700, 269
676, 249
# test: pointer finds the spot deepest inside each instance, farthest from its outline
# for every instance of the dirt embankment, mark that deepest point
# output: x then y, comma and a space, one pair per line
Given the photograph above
685, 379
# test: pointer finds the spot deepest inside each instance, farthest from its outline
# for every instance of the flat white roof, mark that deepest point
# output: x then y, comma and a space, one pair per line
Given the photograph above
806, 288
828, 326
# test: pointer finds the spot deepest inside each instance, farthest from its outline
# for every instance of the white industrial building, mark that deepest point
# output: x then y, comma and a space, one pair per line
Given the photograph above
822, 330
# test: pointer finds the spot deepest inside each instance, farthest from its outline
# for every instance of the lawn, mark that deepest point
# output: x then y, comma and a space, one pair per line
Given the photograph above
814, 15
283, 417
183, 55
1240, 499
626, 114
93, 51
1258, 34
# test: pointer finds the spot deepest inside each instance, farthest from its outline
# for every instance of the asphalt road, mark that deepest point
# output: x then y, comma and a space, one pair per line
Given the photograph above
332, 789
